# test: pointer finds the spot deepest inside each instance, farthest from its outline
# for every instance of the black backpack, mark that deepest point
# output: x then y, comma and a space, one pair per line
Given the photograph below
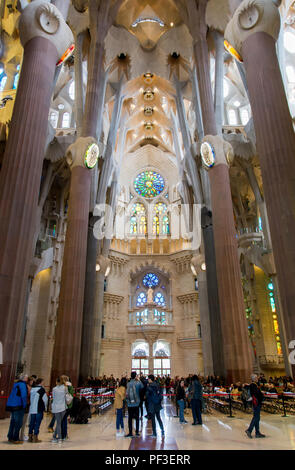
156, 395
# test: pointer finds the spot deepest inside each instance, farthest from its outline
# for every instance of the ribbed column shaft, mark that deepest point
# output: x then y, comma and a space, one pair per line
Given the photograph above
19, 189
66, 356
276, 149
236, 348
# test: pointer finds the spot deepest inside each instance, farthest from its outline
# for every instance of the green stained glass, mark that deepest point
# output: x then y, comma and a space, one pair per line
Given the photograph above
149, 184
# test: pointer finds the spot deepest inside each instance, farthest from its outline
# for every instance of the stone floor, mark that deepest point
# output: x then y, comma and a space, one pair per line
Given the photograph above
217, 433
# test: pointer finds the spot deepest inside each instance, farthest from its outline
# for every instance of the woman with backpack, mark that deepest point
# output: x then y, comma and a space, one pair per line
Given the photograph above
58, 407
154, 398
38, 404
69, 402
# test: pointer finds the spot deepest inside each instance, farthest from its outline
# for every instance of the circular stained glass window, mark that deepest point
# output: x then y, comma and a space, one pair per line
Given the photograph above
149, 184
150, 280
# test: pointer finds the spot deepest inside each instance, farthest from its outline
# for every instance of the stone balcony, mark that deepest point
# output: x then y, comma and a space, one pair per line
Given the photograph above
150, 321
250, 237
271, 361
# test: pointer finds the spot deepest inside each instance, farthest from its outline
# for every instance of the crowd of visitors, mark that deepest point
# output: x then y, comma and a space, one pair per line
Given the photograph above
28, 401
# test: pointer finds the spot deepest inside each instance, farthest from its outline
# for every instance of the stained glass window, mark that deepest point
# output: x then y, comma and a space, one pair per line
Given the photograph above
150, 280
15, 82
160, 317
149, 184
160, 299
142, 317
138, 222
141, 299
272, 301
160, 219
3, 82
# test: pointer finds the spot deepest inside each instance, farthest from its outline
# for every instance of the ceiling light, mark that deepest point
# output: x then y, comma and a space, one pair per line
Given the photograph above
148, 20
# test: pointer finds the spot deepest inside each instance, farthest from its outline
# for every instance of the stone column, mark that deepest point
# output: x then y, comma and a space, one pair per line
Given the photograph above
219, 76
207, 343
228, 269
236, 347
213, 293
63, 6
92, 307
66, 355
44, 43
79, 95
253, 32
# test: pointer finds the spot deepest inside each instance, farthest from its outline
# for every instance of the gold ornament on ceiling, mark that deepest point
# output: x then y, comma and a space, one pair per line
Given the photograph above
148, 111
148, 126
148, 78
148, 94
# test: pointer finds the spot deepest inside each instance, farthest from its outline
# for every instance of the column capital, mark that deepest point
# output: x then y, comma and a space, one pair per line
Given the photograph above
197, 264
76, 153
216, 151
253, 16
43, 19
104, 265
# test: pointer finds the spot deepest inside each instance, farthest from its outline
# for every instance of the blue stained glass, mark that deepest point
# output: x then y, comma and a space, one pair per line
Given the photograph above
160, 299
141, 299
15, 83
150, 280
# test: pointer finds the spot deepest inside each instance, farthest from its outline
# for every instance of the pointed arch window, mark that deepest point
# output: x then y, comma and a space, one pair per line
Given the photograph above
160, 219
138, 220
3, 82
66, 120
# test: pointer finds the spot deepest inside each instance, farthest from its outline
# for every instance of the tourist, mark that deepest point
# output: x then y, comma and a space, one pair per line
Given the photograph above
180, 400
22, 436
142, 394
38, 404
257, 399
154, 398
120, 395
16, 404
133, 402
69, 402
84, 412
196, 396
58, 407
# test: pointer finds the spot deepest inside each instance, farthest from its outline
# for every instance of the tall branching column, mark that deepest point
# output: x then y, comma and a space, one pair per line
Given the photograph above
21, 172
236, 347
68, 333
255, 39
93, 288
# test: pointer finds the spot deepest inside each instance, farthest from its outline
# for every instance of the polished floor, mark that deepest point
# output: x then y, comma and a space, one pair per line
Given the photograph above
217, 433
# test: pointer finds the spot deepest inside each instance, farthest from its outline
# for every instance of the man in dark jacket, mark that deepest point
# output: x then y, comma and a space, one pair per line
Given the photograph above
196, 394
133, 401
154, 398
257, 399
16, 404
